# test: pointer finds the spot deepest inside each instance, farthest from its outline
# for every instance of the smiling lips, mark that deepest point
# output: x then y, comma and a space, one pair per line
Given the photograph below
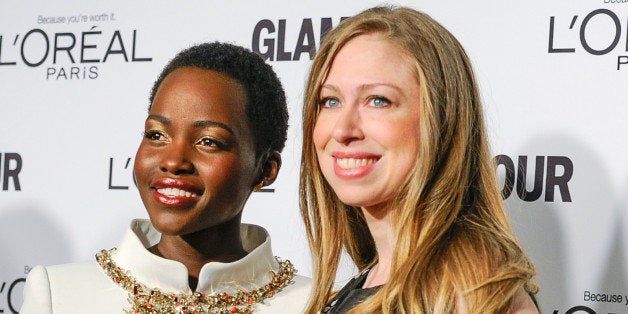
174, 192
353, 167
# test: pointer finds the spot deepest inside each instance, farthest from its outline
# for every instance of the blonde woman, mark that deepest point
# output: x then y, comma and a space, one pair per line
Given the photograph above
396, 170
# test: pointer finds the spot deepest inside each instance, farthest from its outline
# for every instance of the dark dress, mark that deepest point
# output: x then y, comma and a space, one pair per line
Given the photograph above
353, 294
350, 295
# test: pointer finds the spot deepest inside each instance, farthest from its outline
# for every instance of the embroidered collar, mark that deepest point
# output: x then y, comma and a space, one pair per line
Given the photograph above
248, 273
144, 300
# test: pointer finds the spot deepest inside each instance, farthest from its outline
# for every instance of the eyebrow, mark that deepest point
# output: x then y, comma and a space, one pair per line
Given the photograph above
363, 86
206, 123
196, 124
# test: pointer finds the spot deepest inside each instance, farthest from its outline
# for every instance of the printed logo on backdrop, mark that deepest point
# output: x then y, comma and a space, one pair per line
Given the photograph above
547, 172
270, 41
11, 293
121, 175
10, 168
72, 47
607, 299
598, 33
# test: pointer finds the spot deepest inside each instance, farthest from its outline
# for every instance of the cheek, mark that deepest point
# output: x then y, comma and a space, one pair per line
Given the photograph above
408, 142
400, 136
321, 132
144, 161
220, 172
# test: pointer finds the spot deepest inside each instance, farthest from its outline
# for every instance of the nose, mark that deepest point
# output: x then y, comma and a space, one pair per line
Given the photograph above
348, 126
175, 159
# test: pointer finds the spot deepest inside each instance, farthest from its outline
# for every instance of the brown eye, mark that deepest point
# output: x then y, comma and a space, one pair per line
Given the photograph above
153, 135
210, 142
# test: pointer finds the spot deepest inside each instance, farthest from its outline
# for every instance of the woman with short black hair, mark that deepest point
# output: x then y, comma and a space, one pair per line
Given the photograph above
216, 125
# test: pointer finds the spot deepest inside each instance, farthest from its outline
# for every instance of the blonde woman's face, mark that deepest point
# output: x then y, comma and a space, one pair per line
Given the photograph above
367, 131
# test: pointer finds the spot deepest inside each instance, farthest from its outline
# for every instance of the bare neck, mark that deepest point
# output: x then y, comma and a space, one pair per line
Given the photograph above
379, 221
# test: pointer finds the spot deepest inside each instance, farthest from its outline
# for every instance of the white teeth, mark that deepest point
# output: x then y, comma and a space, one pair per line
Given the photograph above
350, 163
175, 192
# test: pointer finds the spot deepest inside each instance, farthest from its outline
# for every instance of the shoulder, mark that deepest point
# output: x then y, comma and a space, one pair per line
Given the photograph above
292, 299
302, 282
37, 298
70, 288
521, 303
76, 275
300, 288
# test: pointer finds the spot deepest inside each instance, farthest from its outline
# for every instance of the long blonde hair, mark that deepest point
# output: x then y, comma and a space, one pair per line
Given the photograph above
453, 239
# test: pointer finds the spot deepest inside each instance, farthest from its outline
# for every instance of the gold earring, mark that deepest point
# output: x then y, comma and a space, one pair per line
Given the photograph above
259, 186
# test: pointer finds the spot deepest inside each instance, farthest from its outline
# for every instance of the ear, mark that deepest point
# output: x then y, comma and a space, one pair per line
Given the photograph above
270, 167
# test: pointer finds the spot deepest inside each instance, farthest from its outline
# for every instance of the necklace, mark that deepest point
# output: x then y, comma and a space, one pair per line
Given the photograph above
149, 301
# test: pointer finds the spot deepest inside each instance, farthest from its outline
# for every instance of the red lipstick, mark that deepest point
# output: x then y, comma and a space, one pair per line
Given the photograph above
172, 192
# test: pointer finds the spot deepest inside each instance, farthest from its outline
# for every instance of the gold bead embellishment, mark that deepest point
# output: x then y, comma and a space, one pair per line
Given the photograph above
149, 301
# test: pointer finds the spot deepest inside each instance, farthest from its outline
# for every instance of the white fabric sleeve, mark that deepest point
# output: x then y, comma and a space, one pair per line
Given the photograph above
37, 296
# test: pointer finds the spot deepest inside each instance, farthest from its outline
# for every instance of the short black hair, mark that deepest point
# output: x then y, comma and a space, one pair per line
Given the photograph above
266, 107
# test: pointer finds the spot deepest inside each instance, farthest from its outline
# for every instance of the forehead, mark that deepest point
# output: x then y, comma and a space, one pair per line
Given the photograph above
372, 55
189, 96
200, 88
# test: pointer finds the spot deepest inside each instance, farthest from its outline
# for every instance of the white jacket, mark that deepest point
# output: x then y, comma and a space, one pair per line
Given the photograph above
85, 287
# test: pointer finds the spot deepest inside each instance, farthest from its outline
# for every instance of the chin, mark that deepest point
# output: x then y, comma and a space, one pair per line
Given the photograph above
167, 225
352, 201
167, 229
362, 201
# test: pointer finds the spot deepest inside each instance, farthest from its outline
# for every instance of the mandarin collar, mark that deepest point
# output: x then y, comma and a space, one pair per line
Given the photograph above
248, 273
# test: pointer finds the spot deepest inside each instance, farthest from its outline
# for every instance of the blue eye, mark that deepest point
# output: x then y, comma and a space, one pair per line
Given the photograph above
379, 102
329, 102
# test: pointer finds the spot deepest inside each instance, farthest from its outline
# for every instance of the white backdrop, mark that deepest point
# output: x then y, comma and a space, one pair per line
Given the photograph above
75, 78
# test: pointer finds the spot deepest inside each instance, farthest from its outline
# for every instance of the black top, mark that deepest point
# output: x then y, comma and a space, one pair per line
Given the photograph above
353, 294
350, 295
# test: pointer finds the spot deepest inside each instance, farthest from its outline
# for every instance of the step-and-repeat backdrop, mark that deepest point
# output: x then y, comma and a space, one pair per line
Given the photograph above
75, 79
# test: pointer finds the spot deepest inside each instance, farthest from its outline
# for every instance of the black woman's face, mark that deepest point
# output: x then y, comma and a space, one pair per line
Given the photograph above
196, 167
